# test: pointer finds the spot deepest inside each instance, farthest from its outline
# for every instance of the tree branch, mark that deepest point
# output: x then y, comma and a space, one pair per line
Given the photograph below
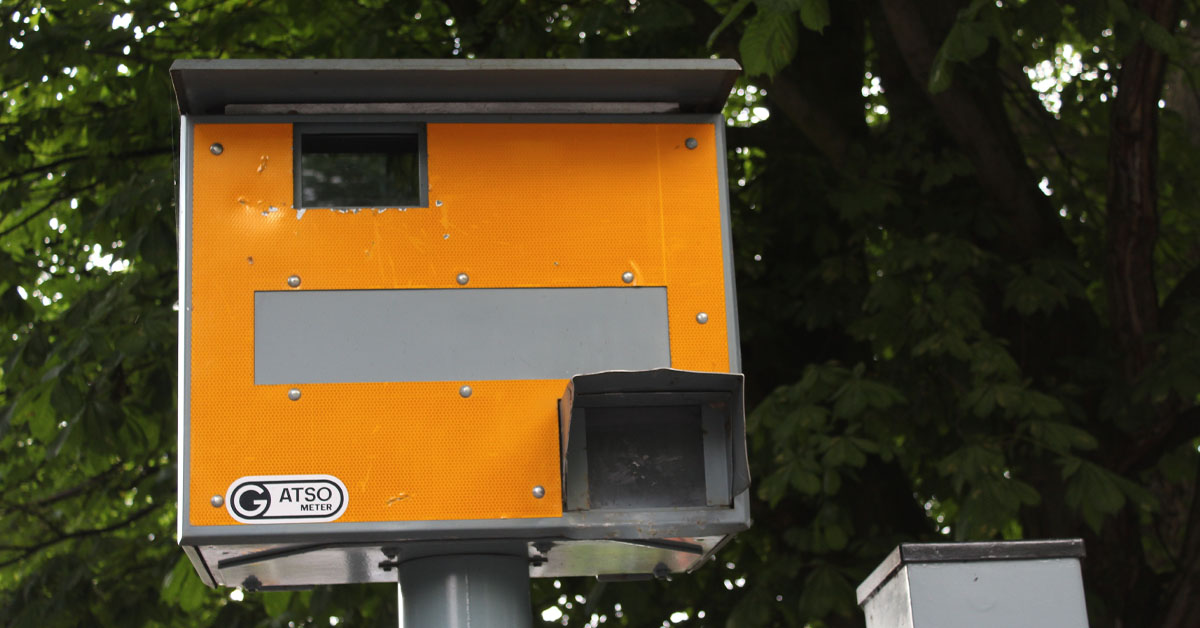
1185, 590
1026, 102
46, 521
79, 488
984, 135
757, 135
818, 126
1168, 433
146, 152
815, 123
51, 203
30, 550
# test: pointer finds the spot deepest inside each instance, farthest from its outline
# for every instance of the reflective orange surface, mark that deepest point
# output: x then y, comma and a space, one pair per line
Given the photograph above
511, 205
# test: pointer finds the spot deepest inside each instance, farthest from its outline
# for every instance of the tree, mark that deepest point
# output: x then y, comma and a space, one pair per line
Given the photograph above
967, 269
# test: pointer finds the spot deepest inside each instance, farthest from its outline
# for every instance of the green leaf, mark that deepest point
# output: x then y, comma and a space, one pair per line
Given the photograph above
768, 43
753, 609
1120, 10
806, 481
864, 200
61, 439
991, 358
778, 6
857, 394
971, 461
1159, 38
1061, 436
835, 537
732, 15
1095, 492
843, 451
773, 488
1025, 493
1029, 294
276, 603
1008, 395
43, 423
832, 482
966, 40
814, 14
54, 371
824, 590
183, 587
810, 417
66, 398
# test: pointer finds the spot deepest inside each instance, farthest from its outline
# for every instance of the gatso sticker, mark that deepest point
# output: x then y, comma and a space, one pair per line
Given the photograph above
286, 499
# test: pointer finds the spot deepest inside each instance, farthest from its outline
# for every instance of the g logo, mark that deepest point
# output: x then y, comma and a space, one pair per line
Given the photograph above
251, 500
268, 499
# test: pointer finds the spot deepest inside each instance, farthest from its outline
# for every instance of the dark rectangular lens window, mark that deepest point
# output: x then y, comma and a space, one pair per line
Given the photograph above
645, 457
360, 170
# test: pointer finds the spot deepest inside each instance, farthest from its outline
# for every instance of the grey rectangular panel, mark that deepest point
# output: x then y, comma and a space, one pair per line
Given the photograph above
344, 336
997, 594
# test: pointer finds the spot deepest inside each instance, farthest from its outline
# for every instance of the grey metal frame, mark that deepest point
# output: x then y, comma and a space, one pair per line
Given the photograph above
680, 522
990, 584
909, 553
205, 86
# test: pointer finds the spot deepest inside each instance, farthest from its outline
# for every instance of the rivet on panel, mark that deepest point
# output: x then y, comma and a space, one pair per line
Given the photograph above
539, 492
691, 143
294, 281
294, 394
217, 501
702, 318
216, 149
465, 391
627, 277
437, 203
462, 279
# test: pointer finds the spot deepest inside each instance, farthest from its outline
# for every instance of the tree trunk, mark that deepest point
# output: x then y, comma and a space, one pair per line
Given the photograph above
1133, 195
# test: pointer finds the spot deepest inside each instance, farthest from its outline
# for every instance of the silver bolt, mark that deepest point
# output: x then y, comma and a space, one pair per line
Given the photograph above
627, 277
465, 391
691, 143
539, 492
702, 318
217, 501
216, 149
294, 394
462, 279
437, 203
294, 281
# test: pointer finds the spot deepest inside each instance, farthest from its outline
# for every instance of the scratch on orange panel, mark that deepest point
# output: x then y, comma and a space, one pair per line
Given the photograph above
637, 272
391, 260
662, 221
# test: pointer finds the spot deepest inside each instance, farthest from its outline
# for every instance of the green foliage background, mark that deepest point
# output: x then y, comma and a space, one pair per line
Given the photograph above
969, 305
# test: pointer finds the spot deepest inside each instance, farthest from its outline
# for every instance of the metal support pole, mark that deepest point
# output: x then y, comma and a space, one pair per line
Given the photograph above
467, 591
